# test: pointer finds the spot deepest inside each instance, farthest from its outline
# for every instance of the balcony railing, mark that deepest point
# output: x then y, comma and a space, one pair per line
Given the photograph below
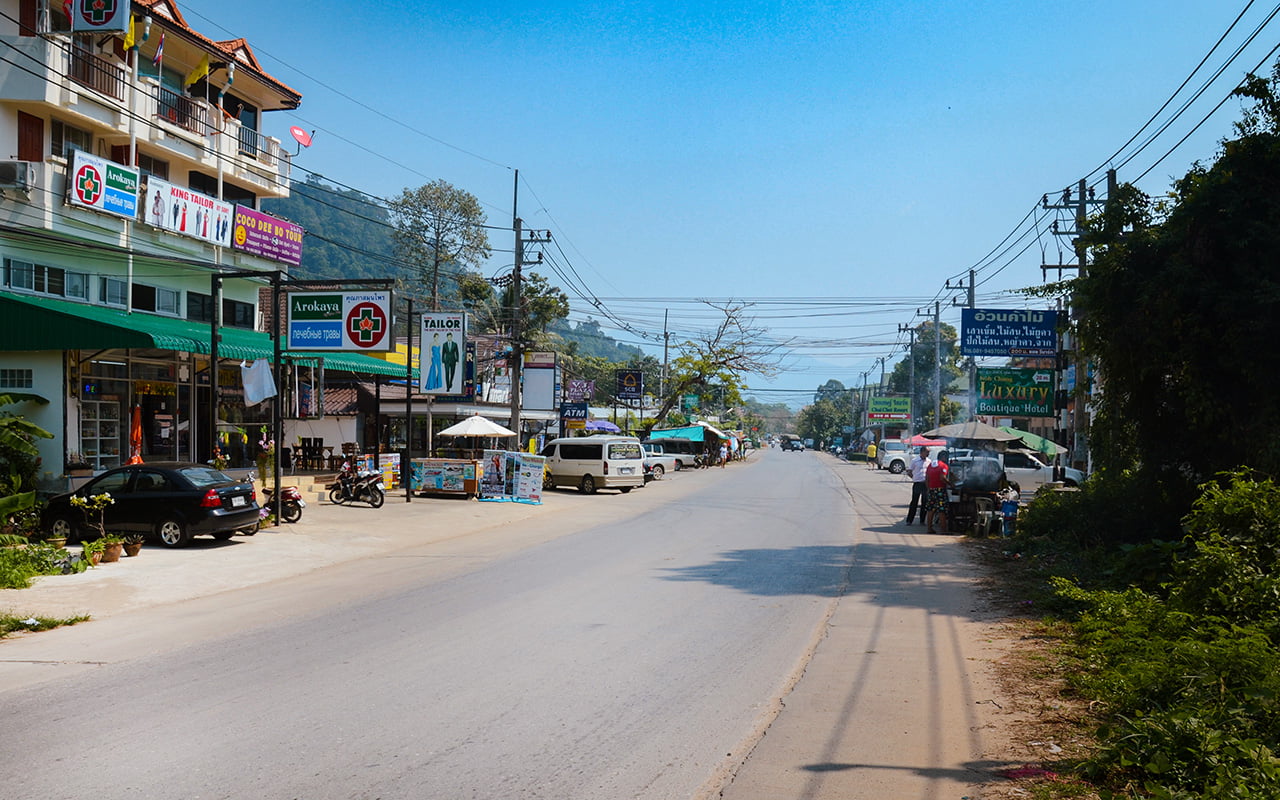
95, 72
183, 111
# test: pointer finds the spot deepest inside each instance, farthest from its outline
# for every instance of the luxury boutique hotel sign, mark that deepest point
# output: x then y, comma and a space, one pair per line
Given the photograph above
340, 321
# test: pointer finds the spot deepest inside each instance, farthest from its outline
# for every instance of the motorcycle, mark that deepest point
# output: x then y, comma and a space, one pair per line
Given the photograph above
357, 487
291, 503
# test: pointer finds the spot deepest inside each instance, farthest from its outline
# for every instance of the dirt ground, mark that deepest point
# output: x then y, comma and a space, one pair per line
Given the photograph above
1039, 724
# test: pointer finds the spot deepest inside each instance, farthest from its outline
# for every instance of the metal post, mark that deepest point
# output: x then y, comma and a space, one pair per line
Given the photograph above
407, 453
937, 364
215, 291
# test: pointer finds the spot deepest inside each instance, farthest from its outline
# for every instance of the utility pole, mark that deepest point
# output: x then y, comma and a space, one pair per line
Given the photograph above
937, 364
972, 366
517, 301
666, 344
911, 381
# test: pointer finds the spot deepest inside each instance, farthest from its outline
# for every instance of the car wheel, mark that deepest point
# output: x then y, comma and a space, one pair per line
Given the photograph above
173, 533
548, 482
658, 472
222, 536
679, 465
588, 485
252, 529
624, 489
63, 526
897, 467
1069, 483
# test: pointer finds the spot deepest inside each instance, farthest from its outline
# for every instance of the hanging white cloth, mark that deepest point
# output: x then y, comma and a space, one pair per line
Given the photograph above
258, 382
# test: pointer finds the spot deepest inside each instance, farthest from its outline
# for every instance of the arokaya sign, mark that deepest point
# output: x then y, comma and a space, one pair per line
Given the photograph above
358, 321
1015, 392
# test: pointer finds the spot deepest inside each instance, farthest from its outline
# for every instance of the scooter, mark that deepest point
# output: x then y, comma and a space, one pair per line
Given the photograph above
357, 487
291, 503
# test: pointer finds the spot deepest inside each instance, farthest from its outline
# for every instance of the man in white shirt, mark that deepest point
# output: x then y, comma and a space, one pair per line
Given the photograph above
919, 463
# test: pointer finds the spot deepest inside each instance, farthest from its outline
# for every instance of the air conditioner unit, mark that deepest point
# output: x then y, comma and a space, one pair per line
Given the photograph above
16, 175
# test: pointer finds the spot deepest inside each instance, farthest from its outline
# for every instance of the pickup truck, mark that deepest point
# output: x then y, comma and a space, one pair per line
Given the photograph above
657, 463
1023, 468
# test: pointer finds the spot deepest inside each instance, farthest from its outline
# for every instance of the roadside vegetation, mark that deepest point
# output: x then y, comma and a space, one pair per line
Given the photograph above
1155, 590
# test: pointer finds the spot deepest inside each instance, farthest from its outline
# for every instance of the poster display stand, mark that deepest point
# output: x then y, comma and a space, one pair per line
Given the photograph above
511, 476
454, 476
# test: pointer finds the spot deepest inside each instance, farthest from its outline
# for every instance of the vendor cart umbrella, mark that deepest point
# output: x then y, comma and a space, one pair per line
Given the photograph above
603, 425
972, 431
1037, 443
476, 425
135, 437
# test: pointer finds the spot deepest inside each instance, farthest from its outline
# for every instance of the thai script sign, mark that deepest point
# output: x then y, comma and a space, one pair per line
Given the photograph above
579, 390
263, 235
180, 210
1008, 332
444, 337
103, 186
340, 321
891, 408
1015, 392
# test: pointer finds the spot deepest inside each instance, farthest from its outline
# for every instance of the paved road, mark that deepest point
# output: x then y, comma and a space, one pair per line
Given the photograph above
765, 628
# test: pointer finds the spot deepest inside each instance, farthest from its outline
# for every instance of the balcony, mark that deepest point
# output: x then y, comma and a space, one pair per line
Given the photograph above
186, 112
94, 72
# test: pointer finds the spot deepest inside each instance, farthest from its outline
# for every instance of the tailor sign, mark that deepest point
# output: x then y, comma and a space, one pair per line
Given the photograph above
103, 186
359, 321
183, 211
444, 336
1005, 332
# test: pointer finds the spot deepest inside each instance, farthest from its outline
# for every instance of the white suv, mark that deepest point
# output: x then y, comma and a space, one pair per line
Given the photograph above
1025, 469
893, 455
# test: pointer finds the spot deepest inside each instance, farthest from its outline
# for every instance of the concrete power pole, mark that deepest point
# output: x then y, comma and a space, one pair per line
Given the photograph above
937, 364
911, 380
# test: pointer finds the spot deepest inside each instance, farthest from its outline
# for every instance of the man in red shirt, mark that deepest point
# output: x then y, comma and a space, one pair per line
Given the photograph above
937, 478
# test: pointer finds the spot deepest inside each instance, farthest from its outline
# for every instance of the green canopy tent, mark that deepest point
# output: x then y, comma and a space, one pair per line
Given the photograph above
1037, 443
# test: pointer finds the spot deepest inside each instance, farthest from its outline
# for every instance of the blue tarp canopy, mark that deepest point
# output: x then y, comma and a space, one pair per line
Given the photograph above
693, 433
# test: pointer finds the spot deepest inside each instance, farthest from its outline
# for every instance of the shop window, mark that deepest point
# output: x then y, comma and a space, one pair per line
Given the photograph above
237, 315
155, 298
45, 280
199, 307
68, 138
113, 292
16, 378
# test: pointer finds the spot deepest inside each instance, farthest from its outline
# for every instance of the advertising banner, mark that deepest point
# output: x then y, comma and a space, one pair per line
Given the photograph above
358, 321
183, 211
511, 475
444, 338
1015, 392
889, 408
103, 186
630, 384
579, 390
1003, 332
97, 16
263, 235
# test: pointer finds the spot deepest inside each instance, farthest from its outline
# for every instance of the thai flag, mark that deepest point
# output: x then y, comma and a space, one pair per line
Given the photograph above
159, 56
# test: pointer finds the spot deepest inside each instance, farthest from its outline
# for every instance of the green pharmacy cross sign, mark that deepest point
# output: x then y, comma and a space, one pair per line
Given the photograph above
366, 324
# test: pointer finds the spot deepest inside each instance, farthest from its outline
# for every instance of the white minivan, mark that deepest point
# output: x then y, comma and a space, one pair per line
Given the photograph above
595, 462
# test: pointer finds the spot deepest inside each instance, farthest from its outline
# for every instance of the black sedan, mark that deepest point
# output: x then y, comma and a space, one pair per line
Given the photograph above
172, 500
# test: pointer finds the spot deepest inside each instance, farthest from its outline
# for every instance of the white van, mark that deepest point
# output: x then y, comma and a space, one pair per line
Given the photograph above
595, 462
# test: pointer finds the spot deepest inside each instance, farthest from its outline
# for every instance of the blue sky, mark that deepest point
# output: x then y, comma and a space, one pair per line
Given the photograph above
864, 152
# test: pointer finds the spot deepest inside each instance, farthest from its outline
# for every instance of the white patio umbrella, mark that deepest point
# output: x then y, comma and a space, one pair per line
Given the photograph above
476, 425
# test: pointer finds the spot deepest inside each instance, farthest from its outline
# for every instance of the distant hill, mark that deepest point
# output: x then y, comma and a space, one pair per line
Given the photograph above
593, 341
348, 233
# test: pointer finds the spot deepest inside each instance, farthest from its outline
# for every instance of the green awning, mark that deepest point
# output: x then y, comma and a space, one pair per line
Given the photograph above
29, 322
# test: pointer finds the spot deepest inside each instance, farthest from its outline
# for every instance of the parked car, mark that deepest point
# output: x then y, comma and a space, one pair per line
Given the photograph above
685, 451
1024, 469
171, 500
657, 463
893, 455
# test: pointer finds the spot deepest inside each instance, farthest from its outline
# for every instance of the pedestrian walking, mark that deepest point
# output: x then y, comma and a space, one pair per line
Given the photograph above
919, 464
724, 454
871, 455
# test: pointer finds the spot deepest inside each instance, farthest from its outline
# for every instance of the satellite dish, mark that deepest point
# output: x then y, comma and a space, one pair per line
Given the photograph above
302, 136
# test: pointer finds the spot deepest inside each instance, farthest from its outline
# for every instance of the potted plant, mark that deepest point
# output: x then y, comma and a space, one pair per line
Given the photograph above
92, 551
112, 547
133, 543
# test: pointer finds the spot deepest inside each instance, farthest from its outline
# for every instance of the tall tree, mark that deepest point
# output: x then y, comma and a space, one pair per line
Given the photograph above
735, 348
439, 227
926, 373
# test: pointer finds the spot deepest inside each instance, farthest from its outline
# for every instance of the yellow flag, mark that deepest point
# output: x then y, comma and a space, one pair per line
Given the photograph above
199, 72
131, 38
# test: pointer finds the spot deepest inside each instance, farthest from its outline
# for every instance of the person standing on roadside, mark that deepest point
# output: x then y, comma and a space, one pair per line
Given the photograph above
724, 454
919, 464
871, 455
937, 478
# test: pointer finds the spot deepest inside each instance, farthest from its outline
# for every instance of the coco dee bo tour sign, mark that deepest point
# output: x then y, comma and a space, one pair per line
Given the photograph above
358, 321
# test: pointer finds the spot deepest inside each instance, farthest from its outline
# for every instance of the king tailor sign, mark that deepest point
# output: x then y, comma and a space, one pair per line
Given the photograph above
1001, 332
103, 186
266, 236
1015, 392
182, 211
358, 321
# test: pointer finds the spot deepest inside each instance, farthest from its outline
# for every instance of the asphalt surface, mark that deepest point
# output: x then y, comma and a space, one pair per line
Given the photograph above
891, 701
